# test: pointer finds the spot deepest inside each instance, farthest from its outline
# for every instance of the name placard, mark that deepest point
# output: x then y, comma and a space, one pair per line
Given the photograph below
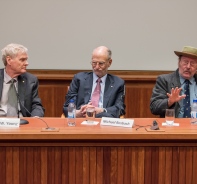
117, 122
9, 122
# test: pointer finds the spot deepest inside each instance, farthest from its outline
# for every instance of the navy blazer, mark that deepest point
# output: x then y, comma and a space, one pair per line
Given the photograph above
113, 100
28, 94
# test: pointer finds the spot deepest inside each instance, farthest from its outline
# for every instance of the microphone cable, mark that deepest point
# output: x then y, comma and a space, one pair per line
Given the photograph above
48, 128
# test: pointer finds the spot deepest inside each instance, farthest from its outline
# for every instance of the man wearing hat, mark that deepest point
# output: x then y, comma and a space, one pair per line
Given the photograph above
177, 90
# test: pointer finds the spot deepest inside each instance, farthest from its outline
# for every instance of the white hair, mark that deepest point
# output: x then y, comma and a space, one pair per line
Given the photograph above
12, 50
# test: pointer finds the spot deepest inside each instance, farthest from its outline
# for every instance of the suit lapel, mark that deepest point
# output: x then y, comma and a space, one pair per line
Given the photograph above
195, 77
109, 85
176, 83
88, 87
1, 81
175, 80
21, 88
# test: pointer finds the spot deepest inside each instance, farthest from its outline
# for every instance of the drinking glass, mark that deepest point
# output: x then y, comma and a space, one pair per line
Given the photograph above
90, 114
170, 116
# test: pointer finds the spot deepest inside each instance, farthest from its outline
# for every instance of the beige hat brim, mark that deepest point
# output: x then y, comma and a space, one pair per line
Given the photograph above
185, 54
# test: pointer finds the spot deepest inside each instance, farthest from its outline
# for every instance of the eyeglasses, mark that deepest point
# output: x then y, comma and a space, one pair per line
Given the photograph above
100, 63
192, 63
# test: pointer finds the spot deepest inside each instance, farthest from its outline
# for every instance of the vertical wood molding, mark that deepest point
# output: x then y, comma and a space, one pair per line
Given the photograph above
111, 164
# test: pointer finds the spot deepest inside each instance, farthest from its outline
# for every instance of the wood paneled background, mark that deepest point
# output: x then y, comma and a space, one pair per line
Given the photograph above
139, 85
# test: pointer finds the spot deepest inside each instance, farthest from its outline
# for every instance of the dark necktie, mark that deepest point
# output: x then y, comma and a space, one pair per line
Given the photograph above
96, 93
186, 100
12, 105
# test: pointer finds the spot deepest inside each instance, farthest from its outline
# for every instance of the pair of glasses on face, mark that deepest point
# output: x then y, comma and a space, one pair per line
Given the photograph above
100, 63
192, 63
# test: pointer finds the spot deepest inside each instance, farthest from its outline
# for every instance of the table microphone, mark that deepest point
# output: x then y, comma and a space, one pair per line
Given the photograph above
47, 128
155, 125
23, 121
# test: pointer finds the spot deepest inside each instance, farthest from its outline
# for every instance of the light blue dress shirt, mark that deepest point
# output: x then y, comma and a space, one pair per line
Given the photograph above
192, 90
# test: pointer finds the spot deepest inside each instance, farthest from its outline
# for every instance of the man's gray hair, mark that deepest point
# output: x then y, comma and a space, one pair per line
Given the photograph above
109, 53
12, 50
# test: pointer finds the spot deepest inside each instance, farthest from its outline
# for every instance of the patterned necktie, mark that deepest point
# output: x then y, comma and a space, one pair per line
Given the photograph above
186, 100
96, 93
12, 105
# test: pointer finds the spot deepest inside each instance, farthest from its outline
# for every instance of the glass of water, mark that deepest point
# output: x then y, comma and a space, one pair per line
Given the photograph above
90, 114
170, 116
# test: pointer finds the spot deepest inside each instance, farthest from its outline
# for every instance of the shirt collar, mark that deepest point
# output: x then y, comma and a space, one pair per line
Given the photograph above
7, 78
95, 77
182, 80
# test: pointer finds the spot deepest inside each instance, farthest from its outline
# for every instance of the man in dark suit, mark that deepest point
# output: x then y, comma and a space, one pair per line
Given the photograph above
170, 89
15, 57
111, 96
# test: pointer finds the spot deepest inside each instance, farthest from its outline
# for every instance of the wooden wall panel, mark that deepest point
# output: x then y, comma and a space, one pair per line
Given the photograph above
99, 165
86, 169
15, 161
112, 164
43, 164
3, 164
175, 165
139, 84
36, 165
30, 165
53, 98
137, 102
23, 165
9, 165
194, 170
65, 168
161, 165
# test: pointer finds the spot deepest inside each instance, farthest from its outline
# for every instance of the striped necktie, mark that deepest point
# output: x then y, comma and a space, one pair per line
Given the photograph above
186, 100
12, 104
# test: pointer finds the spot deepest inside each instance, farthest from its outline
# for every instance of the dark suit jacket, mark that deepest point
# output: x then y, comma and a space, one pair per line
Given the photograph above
113, 100
28, 94
159, 99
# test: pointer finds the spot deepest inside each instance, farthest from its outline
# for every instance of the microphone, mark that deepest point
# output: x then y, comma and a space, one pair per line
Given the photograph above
23, 121
155, 125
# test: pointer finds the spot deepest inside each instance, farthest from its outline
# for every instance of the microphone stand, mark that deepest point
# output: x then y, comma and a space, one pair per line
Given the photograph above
22, 121
47, 128
43, 129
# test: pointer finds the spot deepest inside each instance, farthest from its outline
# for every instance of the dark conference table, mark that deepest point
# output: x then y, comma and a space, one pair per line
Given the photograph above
98, 154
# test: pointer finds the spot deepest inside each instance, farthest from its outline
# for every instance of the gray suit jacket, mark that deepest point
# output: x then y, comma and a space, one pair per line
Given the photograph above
113, 100
28, 94
159, 99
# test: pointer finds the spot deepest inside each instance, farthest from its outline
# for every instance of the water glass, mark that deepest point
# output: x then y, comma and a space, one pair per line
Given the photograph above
90, 114
170, 116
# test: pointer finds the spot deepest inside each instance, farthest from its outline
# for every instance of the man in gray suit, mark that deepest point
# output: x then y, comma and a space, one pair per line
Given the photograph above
111, 99
168, 91
15, 57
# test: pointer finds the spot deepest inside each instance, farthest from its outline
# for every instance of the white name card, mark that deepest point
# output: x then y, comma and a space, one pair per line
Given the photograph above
9, 122
117, 122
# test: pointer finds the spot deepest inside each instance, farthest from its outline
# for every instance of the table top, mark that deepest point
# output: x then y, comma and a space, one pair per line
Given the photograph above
36, 129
